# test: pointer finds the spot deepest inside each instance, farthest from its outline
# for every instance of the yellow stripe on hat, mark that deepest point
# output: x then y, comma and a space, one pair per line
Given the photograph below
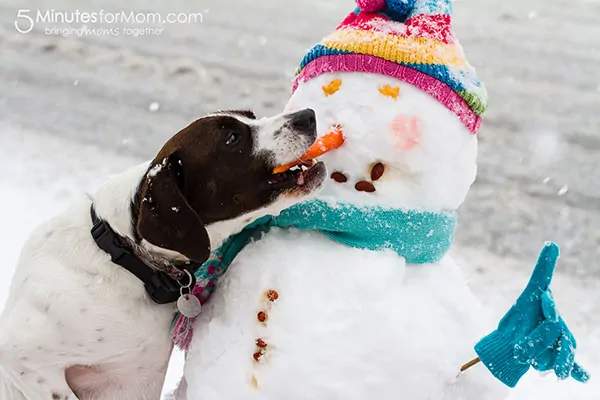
405, 50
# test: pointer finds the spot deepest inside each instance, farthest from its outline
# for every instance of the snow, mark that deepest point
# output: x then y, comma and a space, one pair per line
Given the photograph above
153, 107
563, 190
384, 26
157, 168
42, 175
154, 170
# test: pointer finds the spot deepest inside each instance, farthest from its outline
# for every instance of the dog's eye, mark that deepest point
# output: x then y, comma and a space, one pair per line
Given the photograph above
232, 138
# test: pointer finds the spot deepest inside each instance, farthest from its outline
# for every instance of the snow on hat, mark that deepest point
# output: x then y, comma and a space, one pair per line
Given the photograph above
411, 40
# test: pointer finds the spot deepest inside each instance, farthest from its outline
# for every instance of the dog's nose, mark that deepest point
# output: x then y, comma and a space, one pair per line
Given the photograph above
304, 121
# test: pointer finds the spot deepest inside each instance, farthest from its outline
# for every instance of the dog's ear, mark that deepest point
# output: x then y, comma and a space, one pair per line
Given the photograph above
165, 217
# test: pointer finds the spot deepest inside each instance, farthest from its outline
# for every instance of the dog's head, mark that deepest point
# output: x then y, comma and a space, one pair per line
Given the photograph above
220, 168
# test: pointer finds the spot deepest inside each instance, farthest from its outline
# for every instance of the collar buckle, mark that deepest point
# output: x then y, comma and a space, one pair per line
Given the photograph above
107, 241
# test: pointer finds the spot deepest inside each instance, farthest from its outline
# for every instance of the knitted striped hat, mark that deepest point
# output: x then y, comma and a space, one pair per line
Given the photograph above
411, 40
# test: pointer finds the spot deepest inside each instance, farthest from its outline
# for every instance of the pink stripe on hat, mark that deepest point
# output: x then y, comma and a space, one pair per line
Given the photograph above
371, 64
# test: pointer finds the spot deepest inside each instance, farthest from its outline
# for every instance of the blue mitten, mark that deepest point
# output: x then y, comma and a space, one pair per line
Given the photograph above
532, 333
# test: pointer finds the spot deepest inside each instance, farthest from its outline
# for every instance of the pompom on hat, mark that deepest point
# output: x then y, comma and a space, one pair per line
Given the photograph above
411, 40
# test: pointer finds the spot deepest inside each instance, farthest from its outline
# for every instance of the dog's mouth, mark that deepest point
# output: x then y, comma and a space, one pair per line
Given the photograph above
305, 176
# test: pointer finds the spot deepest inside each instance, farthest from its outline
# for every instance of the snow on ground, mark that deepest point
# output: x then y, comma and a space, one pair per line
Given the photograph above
41, 175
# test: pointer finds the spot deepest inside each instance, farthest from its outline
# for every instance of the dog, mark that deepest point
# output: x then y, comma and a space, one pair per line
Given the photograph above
82, 324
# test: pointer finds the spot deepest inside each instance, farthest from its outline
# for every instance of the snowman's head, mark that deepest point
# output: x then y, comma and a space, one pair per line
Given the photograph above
395, 77
402, 149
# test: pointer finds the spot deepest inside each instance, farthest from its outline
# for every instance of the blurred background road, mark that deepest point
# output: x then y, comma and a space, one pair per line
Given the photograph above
539, 175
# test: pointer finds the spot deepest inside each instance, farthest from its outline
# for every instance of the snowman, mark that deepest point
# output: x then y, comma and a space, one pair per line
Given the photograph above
351, 295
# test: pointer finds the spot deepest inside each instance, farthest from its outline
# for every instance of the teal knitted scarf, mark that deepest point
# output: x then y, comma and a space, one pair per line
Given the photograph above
418, 236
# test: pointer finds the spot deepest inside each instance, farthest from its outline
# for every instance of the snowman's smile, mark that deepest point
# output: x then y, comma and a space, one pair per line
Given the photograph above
305, 176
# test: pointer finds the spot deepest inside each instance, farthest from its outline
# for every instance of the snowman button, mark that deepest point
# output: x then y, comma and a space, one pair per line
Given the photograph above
272, 295
262, 316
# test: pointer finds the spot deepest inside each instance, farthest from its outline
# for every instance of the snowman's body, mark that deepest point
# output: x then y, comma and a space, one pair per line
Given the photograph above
351, 323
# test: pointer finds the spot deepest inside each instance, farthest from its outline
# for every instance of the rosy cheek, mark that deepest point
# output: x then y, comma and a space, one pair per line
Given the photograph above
406, 130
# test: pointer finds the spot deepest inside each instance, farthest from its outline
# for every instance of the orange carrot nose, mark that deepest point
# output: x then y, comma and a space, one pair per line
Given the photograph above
324, 144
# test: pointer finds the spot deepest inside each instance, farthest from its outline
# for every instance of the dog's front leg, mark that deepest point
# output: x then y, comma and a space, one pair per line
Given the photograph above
33, 356
32, 372
39, 383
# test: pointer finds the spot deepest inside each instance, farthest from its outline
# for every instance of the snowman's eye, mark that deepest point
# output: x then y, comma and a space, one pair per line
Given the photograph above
332, 87
390, 91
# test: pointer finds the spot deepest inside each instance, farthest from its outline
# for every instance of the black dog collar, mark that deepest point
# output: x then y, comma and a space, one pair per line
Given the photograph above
161, 288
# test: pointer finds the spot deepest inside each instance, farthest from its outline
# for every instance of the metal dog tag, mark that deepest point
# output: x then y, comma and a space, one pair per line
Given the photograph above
189, 305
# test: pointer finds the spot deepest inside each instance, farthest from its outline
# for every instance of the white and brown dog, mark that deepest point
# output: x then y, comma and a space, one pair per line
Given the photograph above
80, 326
